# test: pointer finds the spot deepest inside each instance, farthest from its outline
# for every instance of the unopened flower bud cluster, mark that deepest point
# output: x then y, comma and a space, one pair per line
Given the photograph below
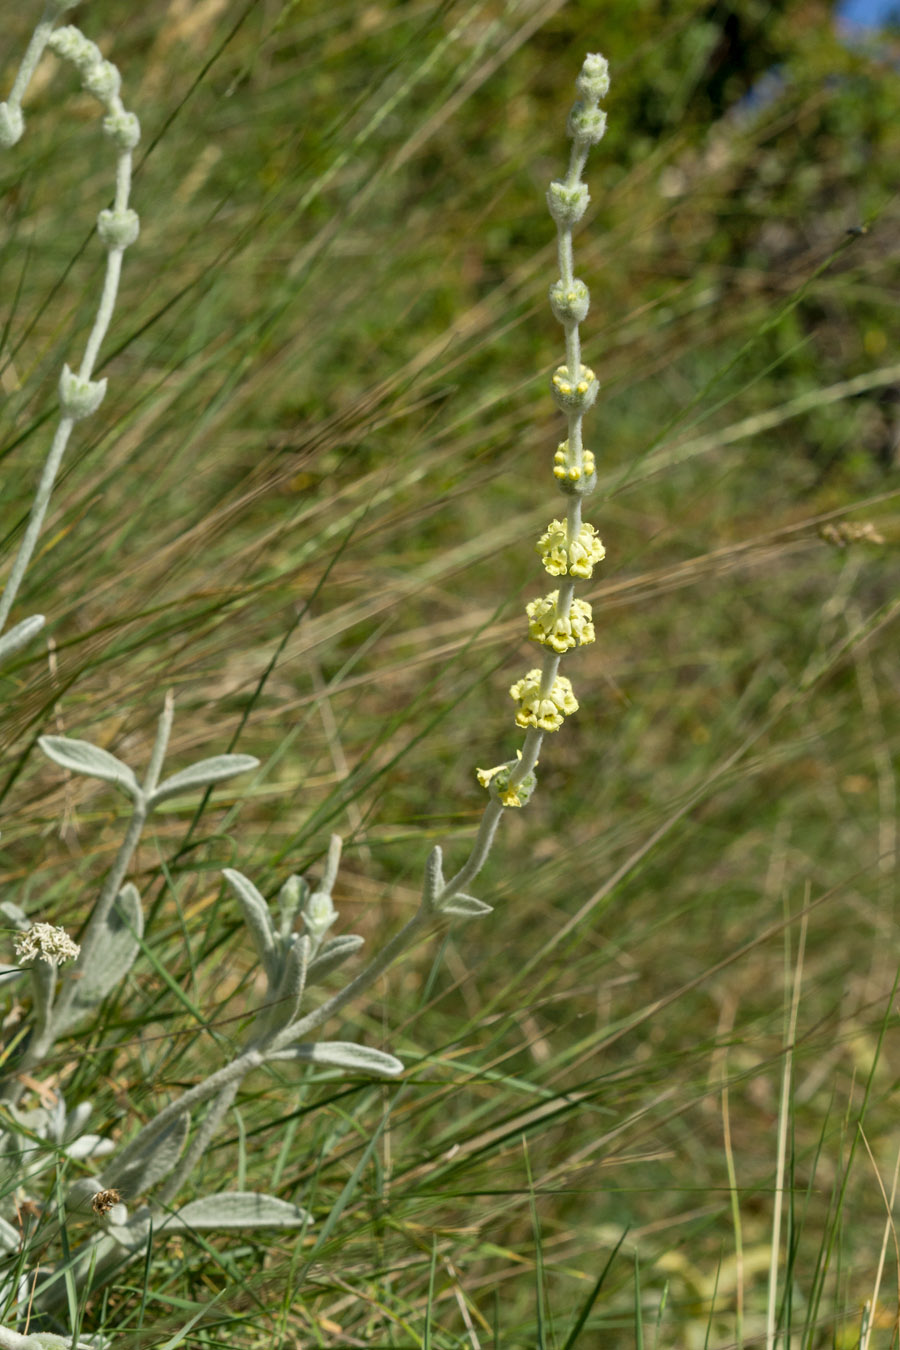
569, 547
117, 227
100, 78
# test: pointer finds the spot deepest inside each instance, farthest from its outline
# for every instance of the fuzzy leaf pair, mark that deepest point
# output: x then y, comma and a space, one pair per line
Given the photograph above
84, 758
284, 958
460, 905
205, 773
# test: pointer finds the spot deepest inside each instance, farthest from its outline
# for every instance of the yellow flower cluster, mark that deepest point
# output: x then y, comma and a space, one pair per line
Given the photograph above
562, 555
569, 548
549, 628
544, 712
563, 470
508, 796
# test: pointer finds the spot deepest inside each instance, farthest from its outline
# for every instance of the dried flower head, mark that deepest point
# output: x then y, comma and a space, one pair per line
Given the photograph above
846, 532
47, 942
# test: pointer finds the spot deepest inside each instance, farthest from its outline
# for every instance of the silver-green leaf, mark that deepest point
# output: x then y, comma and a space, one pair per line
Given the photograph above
466, 907
16, 916
434, 878
343, 1055
118, 942
258, 920
82, 757
10, 1238
239, 1209
202, 774
288, 992
291, 899
20, 635
333, 954
137, 1169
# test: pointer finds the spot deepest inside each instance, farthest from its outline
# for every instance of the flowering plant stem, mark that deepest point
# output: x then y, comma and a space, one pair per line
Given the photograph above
80, 395
224, 1083
162, 1155
568, 549
44, 1032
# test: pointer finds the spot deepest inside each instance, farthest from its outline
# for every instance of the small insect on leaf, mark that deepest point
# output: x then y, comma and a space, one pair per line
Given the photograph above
103, 1201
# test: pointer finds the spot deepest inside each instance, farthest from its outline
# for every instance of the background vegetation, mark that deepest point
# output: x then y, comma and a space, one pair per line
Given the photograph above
309, 506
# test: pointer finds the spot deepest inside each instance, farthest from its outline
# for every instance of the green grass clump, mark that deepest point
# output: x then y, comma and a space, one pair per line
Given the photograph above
302, 506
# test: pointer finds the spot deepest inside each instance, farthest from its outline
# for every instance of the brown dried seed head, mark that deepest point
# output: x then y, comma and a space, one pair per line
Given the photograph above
845, 532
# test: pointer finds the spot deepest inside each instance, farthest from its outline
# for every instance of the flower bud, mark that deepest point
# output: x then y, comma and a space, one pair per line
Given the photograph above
563, 469
319, 914
123, 128
103, 81
290, 894
581, 486
571, 303
574, 396
574, 481
593, 81
72, 45
496, 781
118, 229
567, 204
586, 124
77, 397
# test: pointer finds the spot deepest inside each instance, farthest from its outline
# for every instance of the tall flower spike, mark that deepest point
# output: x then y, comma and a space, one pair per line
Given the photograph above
569, 547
